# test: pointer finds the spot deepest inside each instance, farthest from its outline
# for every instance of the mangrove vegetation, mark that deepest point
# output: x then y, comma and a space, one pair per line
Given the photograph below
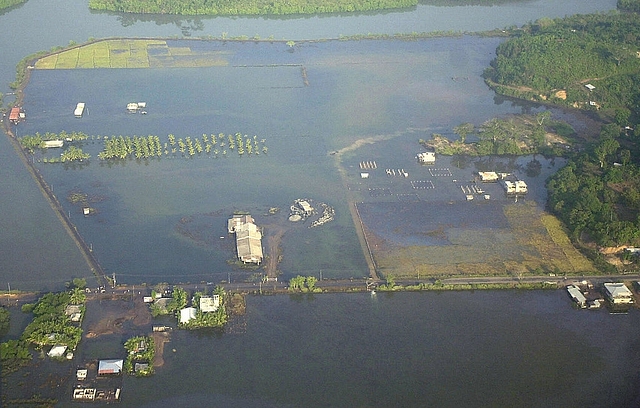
247, 7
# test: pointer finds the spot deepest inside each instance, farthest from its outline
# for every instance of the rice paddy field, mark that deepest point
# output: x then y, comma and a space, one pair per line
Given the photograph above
131, 53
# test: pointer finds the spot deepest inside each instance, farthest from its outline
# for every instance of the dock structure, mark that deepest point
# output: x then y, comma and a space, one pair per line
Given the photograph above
248, 238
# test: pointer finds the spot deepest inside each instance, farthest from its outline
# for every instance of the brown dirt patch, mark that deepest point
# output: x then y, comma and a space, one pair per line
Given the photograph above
116, 313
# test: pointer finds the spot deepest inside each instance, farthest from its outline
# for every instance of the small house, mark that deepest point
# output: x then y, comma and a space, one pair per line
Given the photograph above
81, 374
109, 367
488, 176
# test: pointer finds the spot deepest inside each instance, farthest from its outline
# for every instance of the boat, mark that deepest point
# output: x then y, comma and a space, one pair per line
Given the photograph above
79, 110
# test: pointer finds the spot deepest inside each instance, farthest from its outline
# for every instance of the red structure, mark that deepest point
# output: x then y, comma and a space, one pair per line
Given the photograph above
16, 115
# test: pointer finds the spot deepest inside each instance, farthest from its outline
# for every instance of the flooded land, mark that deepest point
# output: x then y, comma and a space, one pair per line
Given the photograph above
339, 104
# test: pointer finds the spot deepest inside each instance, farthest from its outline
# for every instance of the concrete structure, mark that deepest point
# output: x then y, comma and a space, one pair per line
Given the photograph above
187, 314
209, 304
618, 293
577, 296
106, 367
248, 238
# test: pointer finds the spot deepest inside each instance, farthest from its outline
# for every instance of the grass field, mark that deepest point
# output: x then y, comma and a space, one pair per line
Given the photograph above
130, 54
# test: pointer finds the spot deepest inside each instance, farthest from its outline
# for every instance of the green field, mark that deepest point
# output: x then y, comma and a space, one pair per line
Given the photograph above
130, 54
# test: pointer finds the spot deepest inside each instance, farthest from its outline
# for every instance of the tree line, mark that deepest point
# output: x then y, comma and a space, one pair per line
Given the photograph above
247, 7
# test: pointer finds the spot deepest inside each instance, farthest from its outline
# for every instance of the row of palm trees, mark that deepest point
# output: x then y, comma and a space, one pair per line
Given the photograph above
145, 147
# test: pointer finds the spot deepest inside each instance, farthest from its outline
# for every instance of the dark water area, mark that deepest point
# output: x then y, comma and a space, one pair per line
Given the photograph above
469, 349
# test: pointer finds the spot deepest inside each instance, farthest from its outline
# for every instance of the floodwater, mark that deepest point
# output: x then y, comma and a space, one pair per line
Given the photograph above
396, 91
494, 348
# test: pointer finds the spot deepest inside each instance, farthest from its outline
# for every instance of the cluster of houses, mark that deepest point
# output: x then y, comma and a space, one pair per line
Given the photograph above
248, 238
207, 304
616, 293
512, 186
106, 369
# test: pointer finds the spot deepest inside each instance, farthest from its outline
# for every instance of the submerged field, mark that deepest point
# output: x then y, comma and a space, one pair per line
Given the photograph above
131, 53
322, 108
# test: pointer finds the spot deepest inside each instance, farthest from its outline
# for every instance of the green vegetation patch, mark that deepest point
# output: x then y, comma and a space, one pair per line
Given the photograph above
125, 53
247, 7
584, 61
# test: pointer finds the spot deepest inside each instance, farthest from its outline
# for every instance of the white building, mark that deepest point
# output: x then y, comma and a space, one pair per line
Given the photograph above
618, 293
187, 314
426, 157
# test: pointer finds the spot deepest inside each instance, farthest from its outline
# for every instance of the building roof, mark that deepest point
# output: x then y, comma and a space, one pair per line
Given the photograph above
113, 366
187, 314
248, 238
576, 294
57, 351
617, 290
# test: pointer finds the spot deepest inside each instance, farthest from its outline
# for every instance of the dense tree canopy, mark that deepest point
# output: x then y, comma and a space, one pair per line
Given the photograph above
246, 7
556, 59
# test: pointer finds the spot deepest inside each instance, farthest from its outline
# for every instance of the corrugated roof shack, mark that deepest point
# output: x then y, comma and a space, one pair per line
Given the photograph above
577, 296
110, 367
248, 238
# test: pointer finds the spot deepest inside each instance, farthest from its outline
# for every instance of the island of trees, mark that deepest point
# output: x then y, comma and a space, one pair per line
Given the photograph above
10, 3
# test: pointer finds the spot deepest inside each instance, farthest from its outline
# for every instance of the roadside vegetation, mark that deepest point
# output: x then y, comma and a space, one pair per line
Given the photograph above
304, 284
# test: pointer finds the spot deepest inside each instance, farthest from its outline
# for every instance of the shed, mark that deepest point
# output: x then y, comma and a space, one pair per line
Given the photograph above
187, 314
106, 367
